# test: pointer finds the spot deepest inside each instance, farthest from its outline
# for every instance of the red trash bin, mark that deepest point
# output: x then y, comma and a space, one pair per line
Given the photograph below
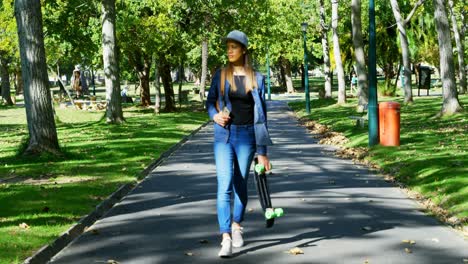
389, 123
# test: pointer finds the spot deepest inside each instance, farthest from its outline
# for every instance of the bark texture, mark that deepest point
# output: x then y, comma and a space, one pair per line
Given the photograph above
326, 52
114, 113
405, 52
157, 85
40, 118
459, 41
358, 43
6, 95
450, 103
165, 71
337, 54
204, 69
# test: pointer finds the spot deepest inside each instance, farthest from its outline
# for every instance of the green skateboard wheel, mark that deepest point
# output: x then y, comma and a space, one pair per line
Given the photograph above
269, 214
279, 212
259, 168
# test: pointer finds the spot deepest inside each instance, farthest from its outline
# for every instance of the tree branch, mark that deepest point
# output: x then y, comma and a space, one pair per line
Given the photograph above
411, 14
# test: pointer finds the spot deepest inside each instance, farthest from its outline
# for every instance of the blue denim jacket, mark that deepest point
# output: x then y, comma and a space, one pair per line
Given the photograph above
262, 137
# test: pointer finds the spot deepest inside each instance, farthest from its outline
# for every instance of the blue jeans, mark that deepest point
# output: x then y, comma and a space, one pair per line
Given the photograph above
233, 160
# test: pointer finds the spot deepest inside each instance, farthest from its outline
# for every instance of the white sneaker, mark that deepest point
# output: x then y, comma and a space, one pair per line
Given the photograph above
237, 239
226, 248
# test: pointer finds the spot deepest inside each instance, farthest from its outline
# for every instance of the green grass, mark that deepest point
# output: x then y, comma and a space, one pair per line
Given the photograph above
97, 159
432, 158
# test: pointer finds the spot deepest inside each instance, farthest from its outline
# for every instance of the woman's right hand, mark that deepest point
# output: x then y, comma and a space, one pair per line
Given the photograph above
221, 119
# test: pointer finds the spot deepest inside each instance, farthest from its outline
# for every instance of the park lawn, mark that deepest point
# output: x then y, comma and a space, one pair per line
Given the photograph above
432, 159
50, 194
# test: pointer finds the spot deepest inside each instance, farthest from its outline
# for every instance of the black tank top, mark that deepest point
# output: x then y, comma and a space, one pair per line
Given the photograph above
242, 103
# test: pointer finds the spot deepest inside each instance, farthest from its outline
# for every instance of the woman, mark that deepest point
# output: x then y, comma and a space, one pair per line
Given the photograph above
77, 83
236, 105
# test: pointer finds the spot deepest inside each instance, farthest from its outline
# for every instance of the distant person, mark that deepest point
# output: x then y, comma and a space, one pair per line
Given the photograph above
354, 81
237, 106
76, 83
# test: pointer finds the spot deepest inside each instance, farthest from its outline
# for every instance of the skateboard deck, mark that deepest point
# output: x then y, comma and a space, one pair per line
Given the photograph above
263, 191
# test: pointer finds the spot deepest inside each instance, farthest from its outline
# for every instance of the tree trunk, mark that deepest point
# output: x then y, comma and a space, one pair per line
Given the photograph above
281, 74
143, 71
287, 75
6, 95
358, 43
447, 68
114, 113
19, 82
204, 69
337, 54
165, 71
460, 48
326, 52
405, 52
181, 79
157, 99
41, 123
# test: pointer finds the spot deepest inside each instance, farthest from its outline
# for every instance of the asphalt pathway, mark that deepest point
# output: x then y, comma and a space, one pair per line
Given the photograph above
336, 212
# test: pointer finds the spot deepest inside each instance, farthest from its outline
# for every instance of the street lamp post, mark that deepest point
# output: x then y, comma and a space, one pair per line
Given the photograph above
268, 74
306, 68
372, 107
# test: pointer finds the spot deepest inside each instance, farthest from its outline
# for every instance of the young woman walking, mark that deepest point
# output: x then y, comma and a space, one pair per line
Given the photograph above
237, 106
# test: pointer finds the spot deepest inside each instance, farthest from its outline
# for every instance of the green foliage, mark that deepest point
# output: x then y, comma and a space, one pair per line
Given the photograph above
8, 33
72, 32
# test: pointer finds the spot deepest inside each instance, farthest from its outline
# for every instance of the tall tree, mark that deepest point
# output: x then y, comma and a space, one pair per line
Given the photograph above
326, 51
358, 43
8, 47
114, 112
204, 68
450, 103
40, 118
405, 52
460, 43
337, 54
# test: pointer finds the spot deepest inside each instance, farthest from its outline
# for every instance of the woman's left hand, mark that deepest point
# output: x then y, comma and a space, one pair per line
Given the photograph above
263, 159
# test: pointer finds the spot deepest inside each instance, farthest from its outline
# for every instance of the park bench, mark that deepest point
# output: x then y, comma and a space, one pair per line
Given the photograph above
360, 120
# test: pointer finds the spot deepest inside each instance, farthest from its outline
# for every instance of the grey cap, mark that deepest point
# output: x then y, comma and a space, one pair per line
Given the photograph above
238, 36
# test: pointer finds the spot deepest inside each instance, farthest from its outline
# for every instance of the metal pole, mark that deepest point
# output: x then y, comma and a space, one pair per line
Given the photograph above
268, 74
306, 75
372, 109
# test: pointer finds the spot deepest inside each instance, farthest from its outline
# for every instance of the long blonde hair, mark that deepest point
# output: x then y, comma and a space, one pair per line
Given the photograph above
250, 78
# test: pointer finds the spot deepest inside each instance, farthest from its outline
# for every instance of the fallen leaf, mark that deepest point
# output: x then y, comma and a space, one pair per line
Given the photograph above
24, 226
411, 242
407, 250
295, 251
124, 169
366, 262
111, 261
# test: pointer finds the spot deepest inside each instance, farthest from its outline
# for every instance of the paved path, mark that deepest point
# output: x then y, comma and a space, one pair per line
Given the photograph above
336, 211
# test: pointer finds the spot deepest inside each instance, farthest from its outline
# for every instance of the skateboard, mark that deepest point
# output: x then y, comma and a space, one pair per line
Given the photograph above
263, 191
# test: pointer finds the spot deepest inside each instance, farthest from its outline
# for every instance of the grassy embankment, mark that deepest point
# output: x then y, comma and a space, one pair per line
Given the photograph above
432, 159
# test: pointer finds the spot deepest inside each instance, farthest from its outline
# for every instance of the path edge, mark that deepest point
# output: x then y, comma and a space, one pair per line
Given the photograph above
47, 252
